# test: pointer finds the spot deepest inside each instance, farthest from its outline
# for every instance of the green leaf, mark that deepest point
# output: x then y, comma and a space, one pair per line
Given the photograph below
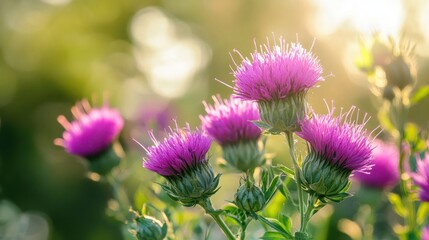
396, 202
286, 221
271, 189
286, 170
276, 225
422, 212
273, 236
364, 60
384, 119
421, 94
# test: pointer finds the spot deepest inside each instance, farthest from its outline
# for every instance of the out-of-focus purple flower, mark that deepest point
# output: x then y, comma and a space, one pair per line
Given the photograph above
92, 131
180, 151
421, 178
338, 146
341, 141
425, 233
276, 72
230, 121
278, 78
384, 172
155, 115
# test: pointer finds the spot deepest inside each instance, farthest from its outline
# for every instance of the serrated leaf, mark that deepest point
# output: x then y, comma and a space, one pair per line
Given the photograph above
396, 202
421, 94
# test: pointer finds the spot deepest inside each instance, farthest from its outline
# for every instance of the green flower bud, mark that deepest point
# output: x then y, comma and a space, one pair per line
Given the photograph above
244, 156
282, 115
249, 198
398, 73
149, 228
388, 93
194, 185
320, 177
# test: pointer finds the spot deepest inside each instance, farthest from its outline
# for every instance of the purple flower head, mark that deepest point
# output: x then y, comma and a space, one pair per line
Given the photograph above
339, 140
180, 151
384, 172
421, 178
276, 72
230, 121
425, 233
92, 131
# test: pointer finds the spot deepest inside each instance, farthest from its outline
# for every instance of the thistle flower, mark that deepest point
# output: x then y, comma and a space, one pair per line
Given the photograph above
384, 173
425, 233
92, 131
421, 178
181, 159
339, 146
277, 78
229, 122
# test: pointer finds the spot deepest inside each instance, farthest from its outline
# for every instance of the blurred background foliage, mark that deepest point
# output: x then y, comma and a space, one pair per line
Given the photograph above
158, 60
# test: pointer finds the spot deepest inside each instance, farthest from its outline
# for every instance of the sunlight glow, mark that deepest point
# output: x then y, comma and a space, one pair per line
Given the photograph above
166, 52
363, 16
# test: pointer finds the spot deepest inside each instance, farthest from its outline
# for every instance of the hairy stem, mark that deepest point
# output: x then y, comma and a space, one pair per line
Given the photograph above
208, 207
290, 140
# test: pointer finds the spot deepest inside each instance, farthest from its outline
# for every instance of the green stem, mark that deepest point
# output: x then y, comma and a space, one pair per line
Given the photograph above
207, 206
290, 140
309, 212
120, 195
410, 219
243, 228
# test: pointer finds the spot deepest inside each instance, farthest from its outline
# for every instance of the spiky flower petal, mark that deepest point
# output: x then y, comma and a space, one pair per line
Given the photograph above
340, 140
421, 178
92, 131
181, 150
276, 72
277, 78
338, 146
181, 159
230, 121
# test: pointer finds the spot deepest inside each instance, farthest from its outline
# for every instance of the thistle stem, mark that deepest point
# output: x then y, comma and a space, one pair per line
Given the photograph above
208, 207
120, 195
290, 140
308, 212
401, 119
243, 229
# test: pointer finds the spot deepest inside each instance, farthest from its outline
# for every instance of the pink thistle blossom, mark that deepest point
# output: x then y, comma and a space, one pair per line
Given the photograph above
384, 173
421, 178
180, 151
276, 72
92, 131
339, 140
425, 233
230, 121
